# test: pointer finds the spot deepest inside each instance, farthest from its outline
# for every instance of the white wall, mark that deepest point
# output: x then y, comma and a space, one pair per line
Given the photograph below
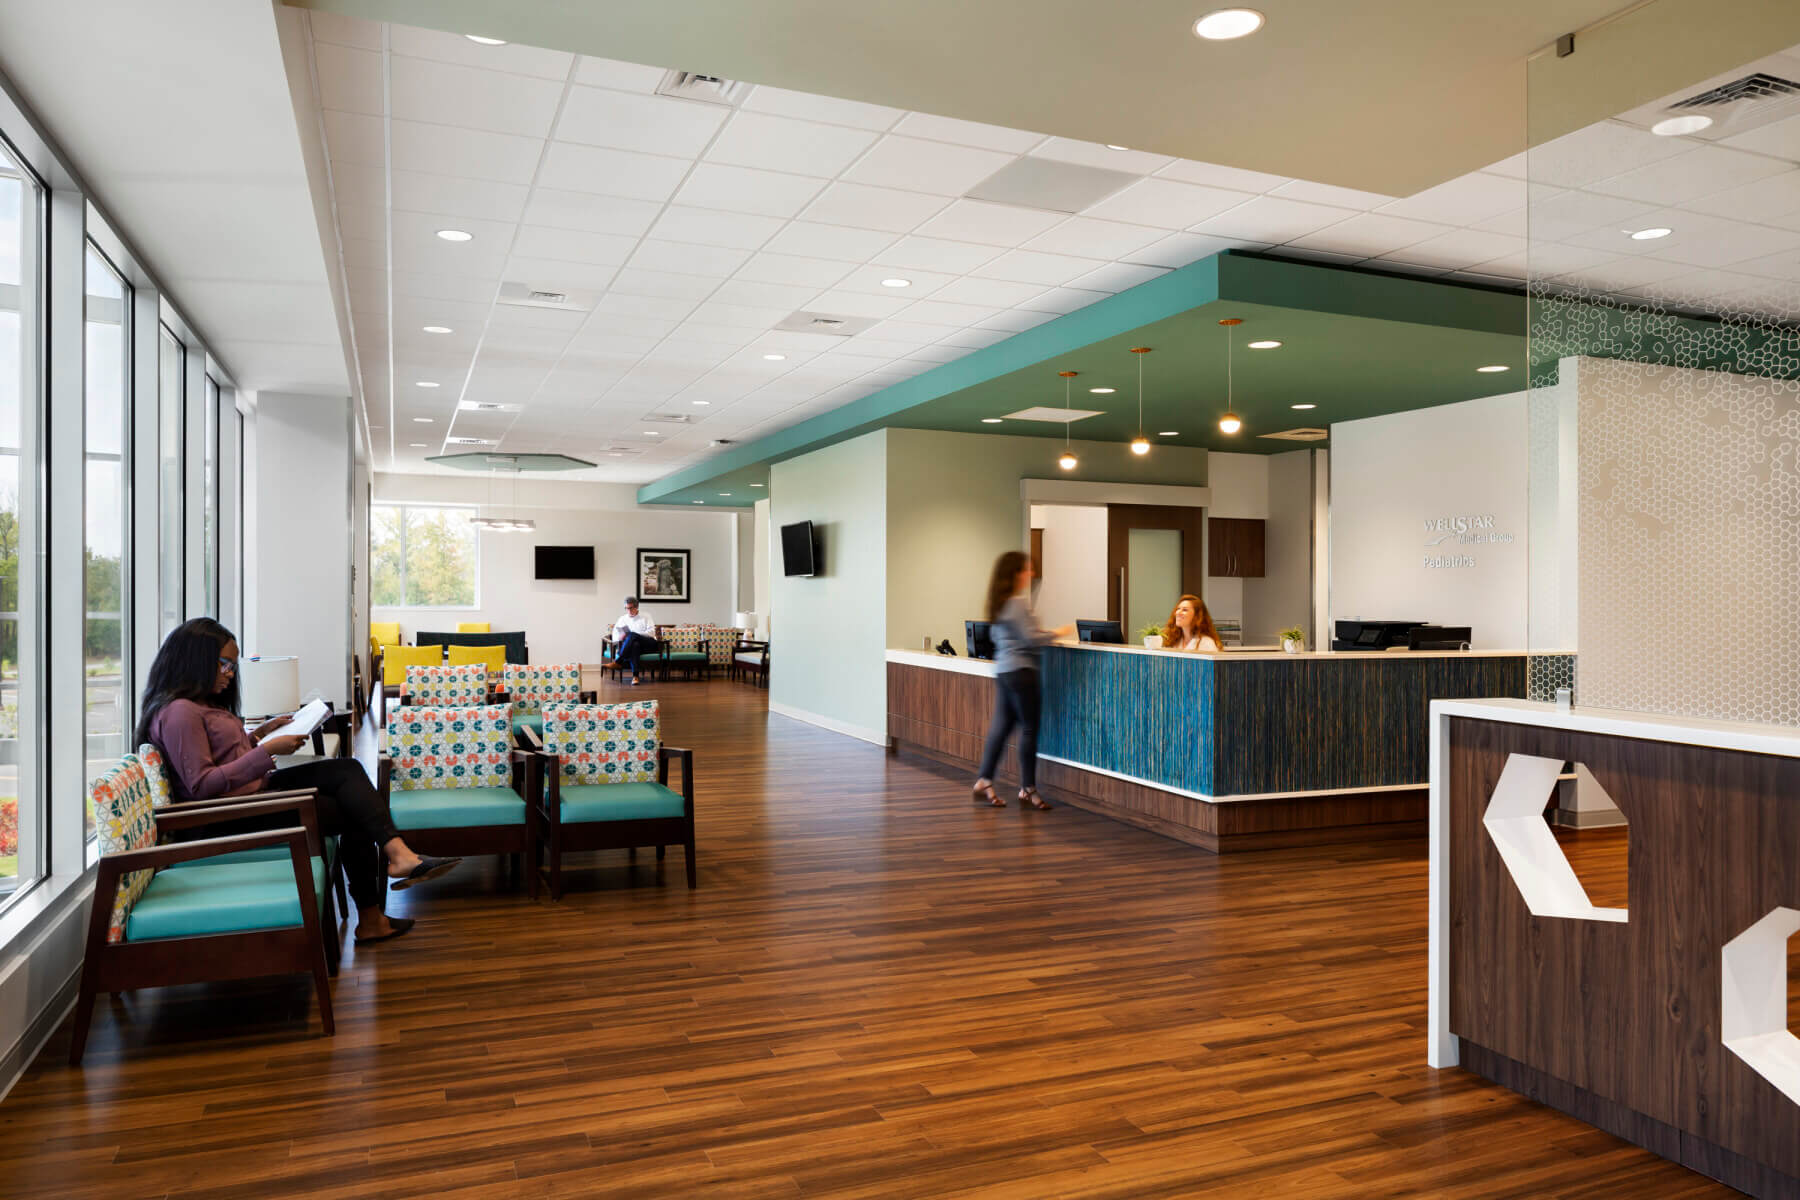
566, 619
1240, 489
1074, 580
299, 598
1390, 475
1282, 595
761, 567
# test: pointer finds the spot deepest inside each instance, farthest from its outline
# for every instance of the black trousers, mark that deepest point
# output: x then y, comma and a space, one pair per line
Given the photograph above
1018, 700
350, 809
635, 646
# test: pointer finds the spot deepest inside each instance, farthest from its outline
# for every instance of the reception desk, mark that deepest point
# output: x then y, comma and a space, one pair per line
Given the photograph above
1238, 750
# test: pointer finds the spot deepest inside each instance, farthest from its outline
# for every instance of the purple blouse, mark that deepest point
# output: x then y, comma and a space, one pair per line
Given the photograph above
208, 752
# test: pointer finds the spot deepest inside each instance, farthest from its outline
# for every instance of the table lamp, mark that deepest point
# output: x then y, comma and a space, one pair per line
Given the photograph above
267, 686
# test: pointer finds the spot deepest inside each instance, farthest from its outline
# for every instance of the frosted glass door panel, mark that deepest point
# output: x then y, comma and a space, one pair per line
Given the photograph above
1152, 577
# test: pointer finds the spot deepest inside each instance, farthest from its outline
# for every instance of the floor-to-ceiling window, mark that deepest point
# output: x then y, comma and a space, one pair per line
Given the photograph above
209, 529
171, 426
106, 641
22, 841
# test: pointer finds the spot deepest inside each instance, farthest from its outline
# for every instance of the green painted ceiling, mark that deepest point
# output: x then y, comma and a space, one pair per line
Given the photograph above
1354, 343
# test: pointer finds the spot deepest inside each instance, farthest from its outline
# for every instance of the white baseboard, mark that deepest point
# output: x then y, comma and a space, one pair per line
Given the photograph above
831, 723
25, 1051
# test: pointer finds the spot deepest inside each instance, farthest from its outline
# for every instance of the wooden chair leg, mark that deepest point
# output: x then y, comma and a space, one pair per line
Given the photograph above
556, 879
84, 1014
688, 850
322, 987
661, 853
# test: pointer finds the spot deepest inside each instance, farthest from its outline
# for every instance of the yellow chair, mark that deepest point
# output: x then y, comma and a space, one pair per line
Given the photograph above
395, 660
383, 634
491, 657
473, 627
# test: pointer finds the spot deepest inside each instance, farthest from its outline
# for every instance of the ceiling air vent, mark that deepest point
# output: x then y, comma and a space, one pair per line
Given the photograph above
471, 441
1759, 86
1298, 435
487, 406
620, 451
669, 419
829, 324
707, 89
522, 295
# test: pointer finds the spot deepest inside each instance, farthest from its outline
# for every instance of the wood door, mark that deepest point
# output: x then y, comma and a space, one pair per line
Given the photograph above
1121, 519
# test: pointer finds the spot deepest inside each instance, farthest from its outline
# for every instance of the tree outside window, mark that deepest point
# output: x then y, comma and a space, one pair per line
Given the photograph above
423, 557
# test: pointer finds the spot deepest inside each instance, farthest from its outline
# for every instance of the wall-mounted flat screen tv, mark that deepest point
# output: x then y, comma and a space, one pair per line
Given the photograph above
800, 549
565, 562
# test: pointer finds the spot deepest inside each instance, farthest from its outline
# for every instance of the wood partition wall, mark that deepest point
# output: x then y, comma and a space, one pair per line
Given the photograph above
1121, 519
1623, 1024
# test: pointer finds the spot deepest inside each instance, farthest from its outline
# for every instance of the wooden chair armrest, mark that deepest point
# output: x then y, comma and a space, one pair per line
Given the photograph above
531, 737
663, 755
216, 801
213, 814
179, 852
590, 697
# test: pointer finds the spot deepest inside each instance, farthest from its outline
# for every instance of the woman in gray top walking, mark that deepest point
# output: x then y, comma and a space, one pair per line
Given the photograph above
1018, 650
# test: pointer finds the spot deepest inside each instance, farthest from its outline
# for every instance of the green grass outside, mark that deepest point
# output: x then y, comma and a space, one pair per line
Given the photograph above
9, 866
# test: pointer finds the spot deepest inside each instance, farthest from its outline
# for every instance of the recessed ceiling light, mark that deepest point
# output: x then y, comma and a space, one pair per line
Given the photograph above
422, 420
614, 454
418, 445
699, 502
652, 433
455, 235
427, 383
1265, 344
896, 283
756, 485
724, 493
1170, 433
485, 41
1228, 23
774, 358
1115, 146
437, 329
990, 420
1646, 235
1676, 126
1302, 407
703, 404
1103, 391
1493, 370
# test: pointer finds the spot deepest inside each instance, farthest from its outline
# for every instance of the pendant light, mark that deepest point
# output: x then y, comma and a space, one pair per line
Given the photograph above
1229, 423
495, 523
1140, 445
1068, 461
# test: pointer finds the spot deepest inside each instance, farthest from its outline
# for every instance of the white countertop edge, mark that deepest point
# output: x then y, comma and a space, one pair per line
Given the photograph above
945, 662
1724, 735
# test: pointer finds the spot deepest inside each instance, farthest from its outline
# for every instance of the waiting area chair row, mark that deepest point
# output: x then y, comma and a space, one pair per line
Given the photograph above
697, 651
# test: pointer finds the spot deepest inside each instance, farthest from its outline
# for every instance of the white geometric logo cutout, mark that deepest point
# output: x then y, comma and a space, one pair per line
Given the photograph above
1515, 821
1754, 1002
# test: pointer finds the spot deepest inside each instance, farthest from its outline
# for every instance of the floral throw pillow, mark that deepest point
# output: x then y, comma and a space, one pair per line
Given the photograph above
155, 774
434, 748
532, 687
124, 819
603, 743
463, 684
721, 644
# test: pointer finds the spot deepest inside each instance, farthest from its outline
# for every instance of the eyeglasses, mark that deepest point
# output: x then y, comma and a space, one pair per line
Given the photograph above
228, 664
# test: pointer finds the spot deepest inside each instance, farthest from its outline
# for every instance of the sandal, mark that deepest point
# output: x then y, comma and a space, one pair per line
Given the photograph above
1029, 796
428, 868
398, 926
985, 794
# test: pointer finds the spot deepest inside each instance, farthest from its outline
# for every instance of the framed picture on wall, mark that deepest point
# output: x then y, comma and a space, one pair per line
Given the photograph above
663, 576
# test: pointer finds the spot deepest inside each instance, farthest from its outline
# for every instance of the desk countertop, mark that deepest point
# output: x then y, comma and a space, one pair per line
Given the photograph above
975, 666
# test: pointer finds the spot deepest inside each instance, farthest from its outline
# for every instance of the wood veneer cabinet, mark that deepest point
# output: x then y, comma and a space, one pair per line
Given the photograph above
1234, 547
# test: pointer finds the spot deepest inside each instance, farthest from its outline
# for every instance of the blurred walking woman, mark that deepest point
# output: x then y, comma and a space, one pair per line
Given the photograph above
190, 713
1018, 650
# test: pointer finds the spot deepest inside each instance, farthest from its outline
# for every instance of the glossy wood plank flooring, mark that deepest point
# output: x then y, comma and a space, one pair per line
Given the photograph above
879, 990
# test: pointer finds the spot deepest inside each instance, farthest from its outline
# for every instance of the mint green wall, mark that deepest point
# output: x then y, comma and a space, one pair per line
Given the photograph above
953, 505
828, 634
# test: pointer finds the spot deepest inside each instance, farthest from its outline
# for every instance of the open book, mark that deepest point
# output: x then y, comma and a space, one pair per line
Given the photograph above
309, 718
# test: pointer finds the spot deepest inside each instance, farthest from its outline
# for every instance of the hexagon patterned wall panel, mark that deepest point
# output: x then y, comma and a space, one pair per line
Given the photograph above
1514, 819
1754, 1010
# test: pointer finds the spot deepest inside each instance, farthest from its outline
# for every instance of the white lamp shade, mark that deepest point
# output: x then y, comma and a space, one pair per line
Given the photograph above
268, 685
745, 620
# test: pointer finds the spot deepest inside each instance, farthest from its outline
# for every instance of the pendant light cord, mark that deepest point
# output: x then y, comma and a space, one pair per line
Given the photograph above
1140, 359
1067, 411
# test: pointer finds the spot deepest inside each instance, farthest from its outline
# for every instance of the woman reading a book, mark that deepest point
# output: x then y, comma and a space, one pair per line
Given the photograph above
190, 714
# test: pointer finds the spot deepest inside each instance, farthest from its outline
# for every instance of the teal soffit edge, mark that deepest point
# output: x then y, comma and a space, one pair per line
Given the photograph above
1354, 344
495, 461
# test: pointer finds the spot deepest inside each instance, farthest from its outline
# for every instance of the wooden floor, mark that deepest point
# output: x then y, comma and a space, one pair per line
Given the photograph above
879, 990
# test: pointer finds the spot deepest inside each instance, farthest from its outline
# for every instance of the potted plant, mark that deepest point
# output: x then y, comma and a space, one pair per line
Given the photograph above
1152, 635
1293, 639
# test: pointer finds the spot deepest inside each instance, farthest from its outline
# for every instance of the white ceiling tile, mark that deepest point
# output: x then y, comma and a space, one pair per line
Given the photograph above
938, 312
869, 279
558, 274
623, 76
809, 240
1015, 320
1598, 151
626, 345
881, 348
989, 224
1085, 236
604, 172
356, 139
967, 133
1459, 249
786, 268
636, 282
939, 353
585, 211
345, 31
1571, 214
1767, 200
738, 315
1063, 300
1325, 256
1234, 179
705, 227
365, 222
741, 189
1514, 223
716, 334
483, 199
1271, 219
604, 249
471, 153
1323, 193
920, 166
349, 79
684, 259
1513, 167
918, 333
443, 287
976, 339
786, 296
1780, 138
605, 325
1117, 277
1092, 154
648, 124
831, 111
1370, 234
467, 97
547, 342
1180, 249
1031, 266
935, 254
995, 293
863, 207
1166, 203
1462, 201
856, 304
770, 143
359, 185
455, 48
667, 308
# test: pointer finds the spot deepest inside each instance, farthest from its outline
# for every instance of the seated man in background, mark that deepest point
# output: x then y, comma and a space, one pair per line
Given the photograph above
634, 635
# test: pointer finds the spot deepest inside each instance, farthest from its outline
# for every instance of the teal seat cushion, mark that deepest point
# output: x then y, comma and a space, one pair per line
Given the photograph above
457, 808
224, 898
532, 721
687, 656
586, 802
264, 854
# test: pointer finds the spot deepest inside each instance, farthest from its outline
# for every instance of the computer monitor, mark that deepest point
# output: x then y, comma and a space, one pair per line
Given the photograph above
1108, 632
1438, 637
1356, 634
979, 637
